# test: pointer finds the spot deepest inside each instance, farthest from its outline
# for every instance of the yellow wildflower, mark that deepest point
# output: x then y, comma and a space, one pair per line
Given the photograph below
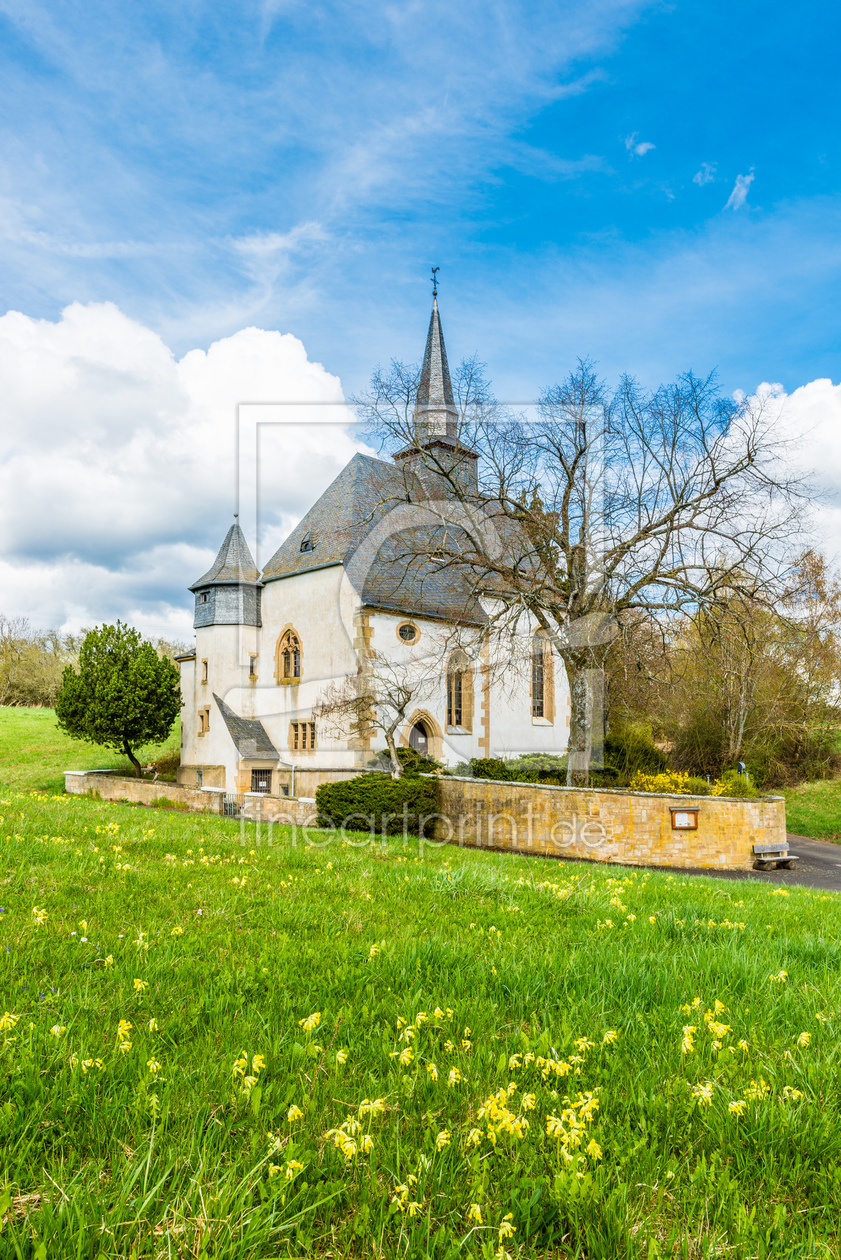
140, 985
454, 1078
153, 1025
593, 1149
406, 1056
474, 1213
609, 1037
341, 1056
687, 1045
528, 1102
804, 1039
153, 1065
737, 1107
58, 1029
292, 1169
294, 1113
311, 1022
780, 977
432, 1070
506, 1229
442, 1140
109, 961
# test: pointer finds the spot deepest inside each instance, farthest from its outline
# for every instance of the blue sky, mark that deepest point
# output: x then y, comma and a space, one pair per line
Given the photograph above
300, 165
654, 185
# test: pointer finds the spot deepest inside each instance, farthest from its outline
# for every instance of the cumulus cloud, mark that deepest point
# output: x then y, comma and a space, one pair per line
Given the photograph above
810, 419
120, 465
739, 195
705, 175
637, 148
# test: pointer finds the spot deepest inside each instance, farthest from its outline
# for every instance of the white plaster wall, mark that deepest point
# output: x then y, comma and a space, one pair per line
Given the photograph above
322, 612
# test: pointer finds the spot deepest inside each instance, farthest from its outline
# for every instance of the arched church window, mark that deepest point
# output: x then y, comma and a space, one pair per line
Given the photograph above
542, 677
289, 657
459, 692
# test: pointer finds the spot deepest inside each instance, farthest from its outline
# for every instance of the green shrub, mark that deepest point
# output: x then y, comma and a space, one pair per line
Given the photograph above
374, 802
414, 763
732, 783
490, 768
630, 750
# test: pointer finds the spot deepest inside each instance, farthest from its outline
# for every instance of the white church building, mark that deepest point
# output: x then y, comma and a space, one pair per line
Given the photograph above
332, 602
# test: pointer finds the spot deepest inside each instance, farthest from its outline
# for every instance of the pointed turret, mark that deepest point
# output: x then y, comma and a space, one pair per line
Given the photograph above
436, 441
436, 414
229, 593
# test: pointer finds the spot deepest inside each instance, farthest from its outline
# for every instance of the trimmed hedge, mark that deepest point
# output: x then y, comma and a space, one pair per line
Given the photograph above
378, 803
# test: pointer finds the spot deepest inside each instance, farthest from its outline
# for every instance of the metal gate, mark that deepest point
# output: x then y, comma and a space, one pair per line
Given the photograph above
232, 805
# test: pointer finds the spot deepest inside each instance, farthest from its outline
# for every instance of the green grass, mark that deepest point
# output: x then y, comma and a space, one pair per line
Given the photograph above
217, 943
814, 809
34, 753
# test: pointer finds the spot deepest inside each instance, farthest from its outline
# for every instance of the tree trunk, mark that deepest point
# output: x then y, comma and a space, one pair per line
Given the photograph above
138, 770
396, 768
578, 748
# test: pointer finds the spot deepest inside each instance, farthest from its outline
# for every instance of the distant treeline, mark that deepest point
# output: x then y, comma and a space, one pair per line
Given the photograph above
32, 661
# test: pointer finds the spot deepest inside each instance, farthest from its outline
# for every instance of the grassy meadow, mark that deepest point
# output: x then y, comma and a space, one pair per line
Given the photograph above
34, 753
219, 1042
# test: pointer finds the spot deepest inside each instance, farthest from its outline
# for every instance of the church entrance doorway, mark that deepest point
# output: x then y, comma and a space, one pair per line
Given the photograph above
419, 738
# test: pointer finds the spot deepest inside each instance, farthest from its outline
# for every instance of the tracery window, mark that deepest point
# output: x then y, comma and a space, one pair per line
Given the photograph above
459, 692
289, 657
542, 678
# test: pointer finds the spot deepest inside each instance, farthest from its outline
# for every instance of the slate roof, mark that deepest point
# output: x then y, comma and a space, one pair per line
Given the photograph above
233, 564
364, 492
249, 736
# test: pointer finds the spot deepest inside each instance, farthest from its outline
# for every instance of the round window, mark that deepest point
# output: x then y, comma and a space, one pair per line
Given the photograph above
408, 633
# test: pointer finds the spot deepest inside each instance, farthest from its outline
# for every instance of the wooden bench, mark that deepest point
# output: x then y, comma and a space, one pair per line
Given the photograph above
768, 855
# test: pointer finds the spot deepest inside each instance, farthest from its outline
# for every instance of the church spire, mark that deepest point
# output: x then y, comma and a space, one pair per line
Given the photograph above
436, 415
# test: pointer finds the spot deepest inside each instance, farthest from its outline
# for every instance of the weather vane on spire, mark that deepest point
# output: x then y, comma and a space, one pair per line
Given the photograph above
435, 271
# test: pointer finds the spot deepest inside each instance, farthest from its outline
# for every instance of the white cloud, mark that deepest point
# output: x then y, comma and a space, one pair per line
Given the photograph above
638, 148
705, 175
739, 195
117, 461
810, 419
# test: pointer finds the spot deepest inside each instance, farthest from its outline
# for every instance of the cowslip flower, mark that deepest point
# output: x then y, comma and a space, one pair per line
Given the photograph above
687, 1045
153, 1065
474, 1213
506, 1228
737, 1107
311, 1022
609, 1037
177, 931
140, 985
804, 1039
432, 1070
442, 1140
294, 1113
593, 1149
153, 1025
780, 977
341, 1056
454, 1078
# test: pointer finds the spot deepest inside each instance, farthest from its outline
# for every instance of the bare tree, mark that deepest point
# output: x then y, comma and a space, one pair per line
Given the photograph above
601, 506
379, 699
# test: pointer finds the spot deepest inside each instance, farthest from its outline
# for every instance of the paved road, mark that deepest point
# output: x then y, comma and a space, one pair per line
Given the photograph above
819, 866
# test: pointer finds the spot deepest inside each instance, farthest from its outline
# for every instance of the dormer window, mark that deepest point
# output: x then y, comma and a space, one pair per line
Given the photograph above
308, 543
204, 597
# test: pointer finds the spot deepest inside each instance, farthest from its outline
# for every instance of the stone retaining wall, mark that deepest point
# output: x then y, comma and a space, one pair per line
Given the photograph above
630, 828
110, 787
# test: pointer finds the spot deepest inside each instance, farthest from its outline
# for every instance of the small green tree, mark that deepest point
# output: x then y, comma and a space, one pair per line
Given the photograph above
123, 696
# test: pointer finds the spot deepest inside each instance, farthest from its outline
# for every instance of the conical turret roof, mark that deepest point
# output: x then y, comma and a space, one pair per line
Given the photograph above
435, 414
233, 564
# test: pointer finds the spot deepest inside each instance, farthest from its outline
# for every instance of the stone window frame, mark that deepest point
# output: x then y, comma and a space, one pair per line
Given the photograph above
205, 669
459, 685
542, 657
303, 735
292, 680
407, 642
253, 658
204, 720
